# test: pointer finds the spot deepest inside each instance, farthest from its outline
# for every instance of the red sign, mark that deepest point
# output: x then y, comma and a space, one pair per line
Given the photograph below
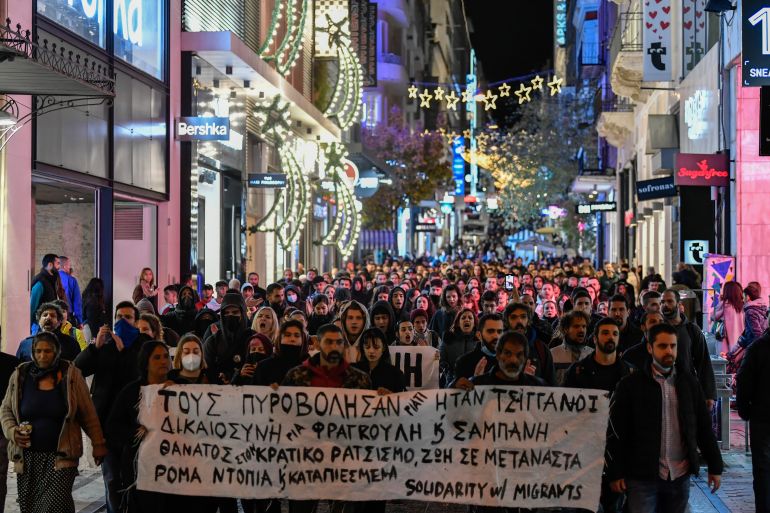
702, 170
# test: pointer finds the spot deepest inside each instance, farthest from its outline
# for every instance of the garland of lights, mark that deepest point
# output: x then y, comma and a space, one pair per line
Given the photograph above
274, 118
345, 104
489, 98
271, 32
296, 45
348, 211
297, 218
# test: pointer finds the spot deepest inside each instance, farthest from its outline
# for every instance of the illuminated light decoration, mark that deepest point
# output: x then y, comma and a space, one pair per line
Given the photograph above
466, 133
425, 98
468, 95
523, 93
696, 114
331, 26
274, 118
489, 100
537, 83
555, 85
451, 100
272, 30
438, 93
288, 51
413, 91
347, 99
505, 90
346, 228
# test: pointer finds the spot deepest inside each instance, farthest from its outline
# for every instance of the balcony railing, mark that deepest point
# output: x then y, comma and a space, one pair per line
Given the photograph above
591, 54
627, 36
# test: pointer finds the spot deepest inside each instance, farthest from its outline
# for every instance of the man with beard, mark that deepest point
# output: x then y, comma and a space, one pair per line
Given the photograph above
630, 335
602, 370
397, 300
259, 292
649, 302
571, 346
276, 298
637, 355
49, 318
659, 422
327, 369
484, 355
182, 318
436, 289
543, 328
692, 349
225, 349
488, 302
511, 357
44, 286
113, 361
517, 317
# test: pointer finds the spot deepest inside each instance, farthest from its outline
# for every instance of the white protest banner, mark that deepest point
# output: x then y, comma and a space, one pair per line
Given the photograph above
656, 50
420, 365
528, 447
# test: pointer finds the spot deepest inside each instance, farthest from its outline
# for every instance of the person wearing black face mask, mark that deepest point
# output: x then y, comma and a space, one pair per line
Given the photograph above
183, 318
225, 349
260, 348
290, 351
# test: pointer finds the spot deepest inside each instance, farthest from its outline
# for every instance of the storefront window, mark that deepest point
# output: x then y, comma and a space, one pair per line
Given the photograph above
140, 134
140, 34
82, 17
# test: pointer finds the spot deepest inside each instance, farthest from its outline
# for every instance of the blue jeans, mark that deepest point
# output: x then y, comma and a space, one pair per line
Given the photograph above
760, 462
658, 496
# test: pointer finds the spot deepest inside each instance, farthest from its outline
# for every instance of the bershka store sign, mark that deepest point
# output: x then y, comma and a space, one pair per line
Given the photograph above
207, 128
702, 170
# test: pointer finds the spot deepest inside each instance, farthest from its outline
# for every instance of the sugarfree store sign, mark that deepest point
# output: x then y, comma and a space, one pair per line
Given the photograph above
138, 27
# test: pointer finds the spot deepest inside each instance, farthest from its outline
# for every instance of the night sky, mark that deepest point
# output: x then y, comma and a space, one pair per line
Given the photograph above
511, 38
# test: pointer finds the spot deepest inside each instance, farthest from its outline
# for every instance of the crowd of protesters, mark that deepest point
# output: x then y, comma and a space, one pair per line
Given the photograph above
555, 323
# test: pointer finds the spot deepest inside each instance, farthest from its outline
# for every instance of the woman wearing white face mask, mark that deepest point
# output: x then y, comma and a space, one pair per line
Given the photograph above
188, 362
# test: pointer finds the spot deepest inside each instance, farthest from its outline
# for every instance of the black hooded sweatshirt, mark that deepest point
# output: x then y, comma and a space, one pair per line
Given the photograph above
384, 307
385, 375
182, 318
403, 313
225, 351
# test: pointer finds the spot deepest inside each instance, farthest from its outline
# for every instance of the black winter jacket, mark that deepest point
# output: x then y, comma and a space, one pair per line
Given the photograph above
634, 432
385, 375
465, 366
753, 381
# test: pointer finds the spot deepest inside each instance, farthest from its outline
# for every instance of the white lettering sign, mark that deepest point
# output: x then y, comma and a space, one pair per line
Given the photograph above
126, 19
696, 111
496, 446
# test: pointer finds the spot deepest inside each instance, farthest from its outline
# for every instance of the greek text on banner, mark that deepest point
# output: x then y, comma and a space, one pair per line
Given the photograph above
526, 447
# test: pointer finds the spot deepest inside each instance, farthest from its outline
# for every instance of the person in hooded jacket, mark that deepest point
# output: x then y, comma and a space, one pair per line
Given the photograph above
483, 357
444, 318
289, 351
183, 318
203, 321
359, 291
225, 349
382, 317
320, 315
397, 300
754, 313
354, 321
461, 338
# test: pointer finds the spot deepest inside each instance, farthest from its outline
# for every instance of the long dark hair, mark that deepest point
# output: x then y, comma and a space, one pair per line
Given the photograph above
367, 336
144, 356
292, 323
456, 323
94, 293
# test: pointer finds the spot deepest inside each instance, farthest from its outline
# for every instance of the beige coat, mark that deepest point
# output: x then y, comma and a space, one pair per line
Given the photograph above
80, 414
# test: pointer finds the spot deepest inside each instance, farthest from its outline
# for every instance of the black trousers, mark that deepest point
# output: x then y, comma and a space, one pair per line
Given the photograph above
760, 459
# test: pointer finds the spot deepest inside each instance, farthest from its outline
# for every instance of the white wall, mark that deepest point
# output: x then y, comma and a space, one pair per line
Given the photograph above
212, 193
131, 256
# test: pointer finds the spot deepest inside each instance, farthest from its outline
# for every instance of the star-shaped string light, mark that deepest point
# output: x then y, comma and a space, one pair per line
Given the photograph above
505, 90
537, 83
438, 93
555, 85
336, 31
489, 100
413, 91
468, 95
451, 100
425, 98
523, 93
466, 133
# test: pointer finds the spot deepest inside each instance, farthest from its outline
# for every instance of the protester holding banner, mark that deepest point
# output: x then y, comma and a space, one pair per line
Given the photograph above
124, 431
483, 357
460, 339
45, 407
290, 350
189, 365
375, 361
602, 370
517, 317
327, 369
659, 420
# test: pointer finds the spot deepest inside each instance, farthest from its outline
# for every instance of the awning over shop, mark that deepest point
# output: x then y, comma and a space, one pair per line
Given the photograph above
46, 69
230, 56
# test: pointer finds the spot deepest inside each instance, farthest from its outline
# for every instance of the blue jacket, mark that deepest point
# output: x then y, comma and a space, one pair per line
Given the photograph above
72, 289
